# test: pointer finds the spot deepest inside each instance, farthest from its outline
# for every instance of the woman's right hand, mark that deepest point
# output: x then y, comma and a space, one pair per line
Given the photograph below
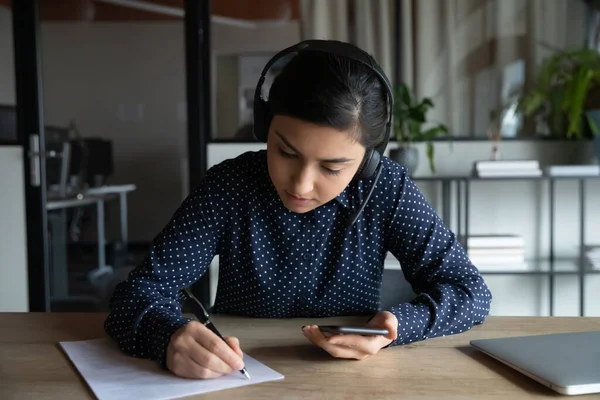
194, 351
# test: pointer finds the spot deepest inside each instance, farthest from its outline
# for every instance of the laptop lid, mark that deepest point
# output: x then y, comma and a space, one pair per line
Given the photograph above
568, 363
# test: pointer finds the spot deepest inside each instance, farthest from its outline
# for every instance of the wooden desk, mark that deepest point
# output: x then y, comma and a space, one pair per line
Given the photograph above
33, 366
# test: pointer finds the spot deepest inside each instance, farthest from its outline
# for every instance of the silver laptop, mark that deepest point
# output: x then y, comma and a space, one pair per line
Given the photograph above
568, 363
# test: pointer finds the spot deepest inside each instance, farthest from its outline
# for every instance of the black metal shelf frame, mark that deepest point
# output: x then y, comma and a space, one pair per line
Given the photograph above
463, 183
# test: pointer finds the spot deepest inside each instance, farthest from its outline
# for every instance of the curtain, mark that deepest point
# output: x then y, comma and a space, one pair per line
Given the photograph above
475, 56
369, 24
470, 57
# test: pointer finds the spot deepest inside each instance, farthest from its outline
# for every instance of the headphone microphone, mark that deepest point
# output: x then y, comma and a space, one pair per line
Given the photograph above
354, 214
371, 164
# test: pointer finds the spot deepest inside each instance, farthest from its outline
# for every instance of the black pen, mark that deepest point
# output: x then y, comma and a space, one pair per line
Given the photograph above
202, 316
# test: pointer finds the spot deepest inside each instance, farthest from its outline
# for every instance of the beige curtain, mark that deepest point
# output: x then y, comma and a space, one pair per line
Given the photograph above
470, 56
473, 56
369, 24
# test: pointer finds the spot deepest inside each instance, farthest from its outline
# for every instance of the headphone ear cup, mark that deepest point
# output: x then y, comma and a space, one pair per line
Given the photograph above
369, 165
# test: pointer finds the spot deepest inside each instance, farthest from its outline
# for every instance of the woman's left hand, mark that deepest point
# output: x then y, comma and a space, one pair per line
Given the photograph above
356, 346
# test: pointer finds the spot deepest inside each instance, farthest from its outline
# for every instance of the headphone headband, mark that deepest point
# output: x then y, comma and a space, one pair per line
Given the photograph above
334, 47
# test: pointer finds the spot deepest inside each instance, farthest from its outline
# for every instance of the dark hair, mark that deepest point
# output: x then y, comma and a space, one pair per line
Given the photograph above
331, 90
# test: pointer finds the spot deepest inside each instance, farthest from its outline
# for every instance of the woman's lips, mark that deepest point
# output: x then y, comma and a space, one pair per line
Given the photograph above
298, 201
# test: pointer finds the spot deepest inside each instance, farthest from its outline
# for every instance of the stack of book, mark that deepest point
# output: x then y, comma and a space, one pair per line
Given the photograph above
497, 252
507, 168
593, 258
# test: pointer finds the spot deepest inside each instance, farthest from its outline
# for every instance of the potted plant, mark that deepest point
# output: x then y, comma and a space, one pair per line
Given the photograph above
566, 95
410, 119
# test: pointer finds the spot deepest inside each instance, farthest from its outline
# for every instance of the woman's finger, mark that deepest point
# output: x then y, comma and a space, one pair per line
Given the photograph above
364, 344
185, 367
385, 320
207, 359
234, 343
220, 349
197, 371
339, 351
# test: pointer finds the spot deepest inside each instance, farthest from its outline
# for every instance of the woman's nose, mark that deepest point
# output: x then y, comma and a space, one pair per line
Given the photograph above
302, 182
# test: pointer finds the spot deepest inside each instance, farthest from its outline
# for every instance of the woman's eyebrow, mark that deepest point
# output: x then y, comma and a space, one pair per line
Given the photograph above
339, 160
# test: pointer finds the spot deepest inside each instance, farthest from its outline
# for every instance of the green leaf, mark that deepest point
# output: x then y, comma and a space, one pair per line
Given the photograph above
416, 114
561, 89
430, 156
434, 132
423, 108
405, 95
427, 102
532, 102
568, 93
414, 127
547, 73
579, 91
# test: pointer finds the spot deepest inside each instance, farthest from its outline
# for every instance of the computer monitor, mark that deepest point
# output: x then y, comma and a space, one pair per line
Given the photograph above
8, 123
100, 164
88, 159
95, 157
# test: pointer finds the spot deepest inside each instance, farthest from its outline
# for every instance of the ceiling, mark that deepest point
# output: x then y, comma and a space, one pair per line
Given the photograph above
161, 10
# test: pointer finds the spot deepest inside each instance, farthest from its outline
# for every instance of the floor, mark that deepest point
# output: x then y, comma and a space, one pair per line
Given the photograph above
87, 295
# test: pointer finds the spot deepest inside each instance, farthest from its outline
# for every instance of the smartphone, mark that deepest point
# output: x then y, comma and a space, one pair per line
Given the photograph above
352, 330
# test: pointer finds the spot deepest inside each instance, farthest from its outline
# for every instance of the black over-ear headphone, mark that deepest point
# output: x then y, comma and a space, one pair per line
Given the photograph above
263, 115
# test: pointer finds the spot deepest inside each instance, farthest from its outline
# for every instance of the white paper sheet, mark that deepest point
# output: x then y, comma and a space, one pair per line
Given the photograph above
111, 374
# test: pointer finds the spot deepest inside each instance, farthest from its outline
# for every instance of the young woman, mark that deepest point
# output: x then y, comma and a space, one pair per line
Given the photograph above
293, 237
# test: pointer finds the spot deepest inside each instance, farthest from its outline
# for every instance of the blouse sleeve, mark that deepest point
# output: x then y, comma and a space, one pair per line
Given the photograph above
452, 296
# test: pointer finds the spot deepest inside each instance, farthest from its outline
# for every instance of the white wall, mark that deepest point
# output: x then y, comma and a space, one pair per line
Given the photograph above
228, 42
126, 82
14, 294
7, 63
511, 207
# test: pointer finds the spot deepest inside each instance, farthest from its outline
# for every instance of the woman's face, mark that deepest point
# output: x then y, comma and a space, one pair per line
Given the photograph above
309, 164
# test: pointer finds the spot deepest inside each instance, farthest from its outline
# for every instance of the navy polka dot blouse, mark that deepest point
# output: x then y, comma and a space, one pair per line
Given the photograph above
278, 264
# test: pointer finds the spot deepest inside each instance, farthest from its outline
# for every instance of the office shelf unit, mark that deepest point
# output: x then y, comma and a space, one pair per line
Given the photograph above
551, 266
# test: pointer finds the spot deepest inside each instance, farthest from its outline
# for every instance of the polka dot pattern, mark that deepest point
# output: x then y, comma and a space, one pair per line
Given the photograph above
278, 264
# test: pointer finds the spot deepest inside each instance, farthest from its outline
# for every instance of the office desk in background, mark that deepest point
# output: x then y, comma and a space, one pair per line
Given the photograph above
57, 221
33, 365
